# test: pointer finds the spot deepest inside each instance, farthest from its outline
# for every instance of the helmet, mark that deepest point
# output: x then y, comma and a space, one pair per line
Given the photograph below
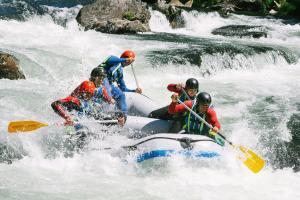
203, 98
128, 54
192, 83
98, 72
87, 87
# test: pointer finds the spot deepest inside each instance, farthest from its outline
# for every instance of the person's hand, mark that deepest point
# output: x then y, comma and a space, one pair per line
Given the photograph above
121, 121
138, 90
179, 86
69, 122
112, 101
174, 97
215, 129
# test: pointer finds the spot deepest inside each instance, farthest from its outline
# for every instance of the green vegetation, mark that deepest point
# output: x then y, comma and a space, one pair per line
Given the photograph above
283, 7
129, 15
290, 7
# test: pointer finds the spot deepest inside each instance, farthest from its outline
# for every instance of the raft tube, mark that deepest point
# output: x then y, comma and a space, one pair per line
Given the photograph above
138, 104
168, 144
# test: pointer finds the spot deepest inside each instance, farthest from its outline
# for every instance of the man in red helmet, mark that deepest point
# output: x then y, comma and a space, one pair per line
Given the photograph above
113, 66
80, 102
77, 101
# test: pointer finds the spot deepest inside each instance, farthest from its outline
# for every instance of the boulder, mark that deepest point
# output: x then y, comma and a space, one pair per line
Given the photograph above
241, 31
115, 16
9, 67
172, 12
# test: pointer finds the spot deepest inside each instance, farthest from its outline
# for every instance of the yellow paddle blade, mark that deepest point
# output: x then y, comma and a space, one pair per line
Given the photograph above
252, 160
24, 126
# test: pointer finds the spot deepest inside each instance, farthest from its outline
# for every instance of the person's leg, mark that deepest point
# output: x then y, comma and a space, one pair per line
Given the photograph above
177, 124
119, 96
161, 113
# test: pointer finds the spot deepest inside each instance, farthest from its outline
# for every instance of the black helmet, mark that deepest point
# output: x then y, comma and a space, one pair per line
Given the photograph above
203, 98
192, 83
98, 72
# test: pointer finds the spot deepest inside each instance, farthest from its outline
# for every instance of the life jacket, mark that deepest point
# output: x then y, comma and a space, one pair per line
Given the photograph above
183, 97
194, 125
114, 72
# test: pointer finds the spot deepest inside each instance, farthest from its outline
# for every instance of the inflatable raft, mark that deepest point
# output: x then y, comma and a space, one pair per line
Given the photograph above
162, 144
139, 107
168, 144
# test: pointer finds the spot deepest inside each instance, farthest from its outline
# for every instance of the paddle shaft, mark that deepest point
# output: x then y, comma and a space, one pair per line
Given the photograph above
200, 118
136, 81
185, 94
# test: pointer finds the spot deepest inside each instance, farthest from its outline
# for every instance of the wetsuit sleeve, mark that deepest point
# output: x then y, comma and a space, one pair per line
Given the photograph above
122, 85
62, 106
115, 60
172, 88
178, 108
213, 118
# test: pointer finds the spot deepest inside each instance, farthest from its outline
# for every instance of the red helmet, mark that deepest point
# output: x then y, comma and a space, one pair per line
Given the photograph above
128, 54
87, 87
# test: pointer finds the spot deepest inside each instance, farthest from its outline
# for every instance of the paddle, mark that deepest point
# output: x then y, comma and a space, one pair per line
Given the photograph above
26, 126
136, 81
254, 162
185, 94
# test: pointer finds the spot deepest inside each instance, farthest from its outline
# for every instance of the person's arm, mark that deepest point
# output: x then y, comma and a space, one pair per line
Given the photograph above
178, 108
62, 106
59, 109
113, 60
174, 88
106, 97
214, 119
122, 85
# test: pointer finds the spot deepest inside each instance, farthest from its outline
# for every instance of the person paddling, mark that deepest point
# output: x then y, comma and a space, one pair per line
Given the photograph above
202, 107
115, 83
78, 101
79, 104
185, 92
101, 95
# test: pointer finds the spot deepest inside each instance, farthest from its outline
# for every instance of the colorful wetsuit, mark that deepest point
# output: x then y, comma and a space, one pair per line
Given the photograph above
192, 124
115, 82
63, 107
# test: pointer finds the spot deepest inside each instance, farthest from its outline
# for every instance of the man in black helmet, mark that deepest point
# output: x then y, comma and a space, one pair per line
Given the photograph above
101, 95
202, 107
185, 92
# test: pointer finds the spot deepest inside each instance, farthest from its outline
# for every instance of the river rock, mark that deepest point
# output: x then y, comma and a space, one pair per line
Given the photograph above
172, 10
9, 67
241, 31
115, 16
